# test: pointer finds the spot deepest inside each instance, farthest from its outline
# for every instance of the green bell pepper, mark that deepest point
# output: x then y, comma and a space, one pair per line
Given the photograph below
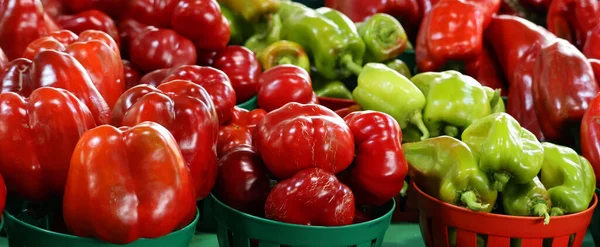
445, 168
569, 178
252, 10
454, 101
240, 28
334, 89
505, 150
399, 66
529, 199
383, 89
267, 33
328, 37
384, 38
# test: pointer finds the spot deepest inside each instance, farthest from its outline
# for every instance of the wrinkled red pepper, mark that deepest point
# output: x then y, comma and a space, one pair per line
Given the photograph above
90, 20
121, 166
215, 82
40, 133
185, 109
132, 74
243, 69
311, 197
239, 130
590, 132
563, 87
153, 12
156, 48
21, 22
283, 84
573, 20
243, 181
296, 137
195, 19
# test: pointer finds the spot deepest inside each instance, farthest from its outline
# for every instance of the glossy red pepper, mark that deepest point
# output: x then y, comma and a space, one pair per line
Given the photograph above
129, 29
590, 133
243, 181
153, 12
239, 131
283, 84
202, 22
21, 22
242, 68
215, 82
90, 20
296, 137
114, 8
121, 166
3, 60
156, 48
311, 197
206, 57
487, 71
185, 109
54, 8
15, 78
132, 74
563, 87
573, 20
154, 78
379, 166
40, 133
590, 49
595, 63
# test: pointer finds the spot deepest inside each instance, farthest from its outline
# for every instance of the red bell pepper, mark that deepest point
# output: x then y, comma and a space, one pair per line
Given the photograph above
283, 84
243, 181
202, 22
3, 60
590, 49
206, 57
311, 197
114, 8
90, 20
453, 32
242, 68
590, 134
129, 29
132, 74
154, 78
239, 131
215, 82
157, 13
15, 77
54, 8
563, 87
40, 133
22, 21
595, 63
573, 20
120, 166
379, 166
487, 70
186, 110
156, 48
296, 137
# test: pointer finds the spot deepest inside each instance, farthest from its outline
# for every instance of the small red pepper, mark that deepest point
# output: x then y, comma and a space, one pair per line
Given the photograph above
563, 87
243, 69
156, 13
215, 82
40, 132
185, 109
379, 166
202, 22
132, 74
90, 20
573, 20
590, 131
296, 137
156, 48
243, 181
283, 84
239, 130
311, 197
121, 166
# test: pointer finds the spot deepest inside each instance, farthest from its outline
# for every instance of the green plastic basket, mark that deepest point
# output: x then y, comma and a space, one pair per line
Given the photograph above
237, 229
31, 234
207, 222
595, 225
250, 105
312, 3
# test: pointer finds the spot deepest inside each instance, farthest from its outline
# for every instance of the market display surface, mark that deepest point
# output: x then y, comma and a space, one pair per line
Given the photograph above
262, 123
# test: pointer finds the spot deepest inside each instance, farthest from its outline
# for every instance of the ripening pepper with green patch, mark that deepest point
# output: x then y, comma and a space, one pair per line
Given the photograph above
240, 28
445, 168
454, 101
252, 10
528, 199
284, 52
569, 178
505, 150
384, 38
383, 89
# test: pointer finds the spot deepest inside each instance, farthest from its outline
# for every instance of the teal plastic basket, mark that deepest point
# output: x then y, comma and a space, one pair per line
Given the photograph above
238, 229
250, 105
207, 222
408, 57
595, 224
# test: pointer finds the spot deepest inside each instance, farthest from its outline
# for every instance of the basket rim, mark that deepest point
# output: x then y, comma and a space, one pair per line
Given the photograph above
73, 237
387, 215
594, 203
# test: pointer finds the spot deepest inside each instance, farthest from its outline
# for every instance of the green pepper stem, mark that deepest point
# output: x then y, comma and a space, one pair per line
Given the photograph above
469, 198
450, 130
495, 98
349, 63
500, 180
556, 211
541, 209
404, 189
417, 120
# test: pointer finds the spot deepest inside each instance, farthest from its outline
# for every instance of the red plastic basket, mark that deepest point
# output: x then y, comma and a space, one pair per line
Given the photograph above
436, 216
407, 209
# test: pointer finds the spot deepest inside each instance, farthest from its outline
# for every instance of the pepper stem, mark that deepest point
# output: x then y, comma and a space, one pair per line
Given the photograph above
555, 211
469, 198
541, 209
349, 63
495, 98
417, 120
500, 180
450, 130
404, 189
